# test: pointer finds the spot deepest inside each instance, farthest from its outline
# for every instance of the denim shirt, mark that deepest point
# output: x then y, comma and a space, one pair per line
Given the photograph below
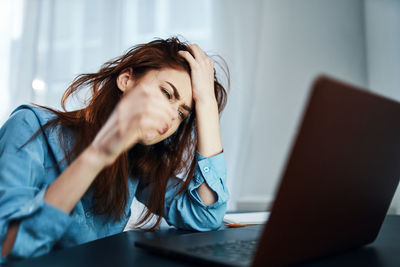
26, 173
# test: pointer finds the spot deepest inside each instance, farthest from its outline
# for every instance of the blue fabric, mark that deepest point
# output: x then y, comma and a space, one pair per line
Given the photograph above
25, 174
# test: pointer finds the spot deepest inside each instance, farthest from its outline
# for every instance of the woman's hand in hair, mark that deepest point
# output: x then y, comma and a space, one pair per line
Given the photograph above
202, 74
139, 117
207, 115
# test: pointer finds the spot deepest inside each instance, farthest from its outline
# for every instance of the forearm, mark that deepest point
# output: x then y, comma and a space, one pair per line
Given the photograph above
208, 129
9, 240
209, 141
72, 184
65, 191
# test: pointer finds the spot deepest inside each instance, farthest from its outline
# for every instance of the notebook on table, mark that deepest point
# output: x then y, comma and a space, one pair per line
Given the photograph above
333, 196
246, 218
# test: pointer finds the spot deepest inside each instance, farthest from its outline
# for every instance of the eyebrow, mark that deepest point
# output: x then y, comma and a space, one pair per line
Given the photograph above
178, 96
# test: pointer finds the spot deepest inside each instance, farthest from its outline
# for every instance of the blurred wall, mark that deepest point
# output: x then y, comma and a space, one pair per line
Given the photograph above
294, 41
382, 24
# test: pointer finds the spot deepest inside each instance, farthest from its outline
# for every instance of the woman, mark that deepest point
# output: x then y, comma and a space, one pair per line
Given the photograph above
68, 177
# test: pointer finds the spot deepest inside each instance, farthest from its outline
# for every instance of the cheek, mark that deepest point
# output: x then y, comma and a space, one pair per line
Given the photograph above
173, 128
170, 132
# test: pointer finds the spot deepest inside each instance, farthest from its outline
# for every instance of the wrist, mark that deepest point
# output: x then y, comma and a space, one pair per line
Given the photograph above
204, 96
207, 104
93, 158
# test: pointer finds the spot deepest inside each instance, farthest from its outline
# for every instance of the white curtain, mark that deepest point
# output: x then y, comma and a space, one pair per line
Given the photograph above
11, 28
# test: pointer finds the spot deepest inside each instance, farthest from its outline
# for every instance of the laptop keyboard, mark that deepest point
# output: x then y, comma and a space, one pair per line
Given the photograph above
235, 251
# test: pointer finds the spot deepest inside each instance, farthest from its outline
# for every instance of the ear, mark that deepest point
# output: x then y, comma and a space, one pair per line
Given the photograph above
125, 79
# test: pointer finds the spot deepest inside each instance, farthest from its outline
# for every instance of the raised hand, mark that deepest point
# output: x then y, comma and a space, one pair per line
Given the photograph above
202, 75
141, 115
207, 115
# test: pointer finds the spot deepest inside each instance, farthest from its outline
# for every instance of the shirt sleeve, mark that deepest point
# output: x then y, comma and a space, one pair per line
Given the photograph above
187, 210
22, 188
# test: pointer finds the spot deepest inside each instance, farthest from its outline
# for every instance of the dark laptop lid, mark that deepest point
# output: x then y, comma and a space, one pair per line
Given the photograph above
340, 178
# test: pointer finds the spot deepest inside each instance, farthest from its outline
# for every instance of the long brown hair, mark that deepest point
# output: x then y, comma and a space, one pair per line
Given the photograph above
153, 164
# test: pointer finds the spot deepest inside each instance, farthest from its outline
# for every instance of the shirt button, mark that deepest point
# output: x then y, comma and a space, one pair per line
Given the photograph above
206, 169
88, 214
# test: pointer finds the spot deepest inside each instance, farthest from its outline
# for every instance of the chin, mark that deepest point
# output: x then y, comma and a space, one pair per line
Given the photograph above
157, 139
153, 141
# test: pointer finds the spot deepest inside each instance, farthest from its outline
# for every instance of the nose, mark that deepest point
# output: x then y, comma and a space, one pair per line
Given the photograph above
175, 117
175, 112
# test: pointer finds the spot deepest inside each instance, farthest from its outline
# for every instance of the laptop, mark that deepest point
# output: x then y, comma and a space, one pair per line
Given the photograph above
334, 193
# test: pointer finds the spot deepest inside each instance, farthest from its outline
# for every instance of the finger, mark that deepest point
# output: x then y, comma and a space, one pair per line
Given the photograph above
198, 52
154, 124
156, 100
162, 104
201, 57
148, 127
189, 58
168, 113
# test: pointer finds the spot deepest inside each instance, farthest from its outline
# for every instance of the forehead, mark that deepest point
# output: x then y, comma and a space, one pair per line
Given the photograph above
180, 79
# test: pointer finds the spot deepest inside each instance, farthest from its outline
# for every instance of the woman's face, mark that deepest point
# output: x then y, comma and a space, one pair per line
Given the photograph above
176, 86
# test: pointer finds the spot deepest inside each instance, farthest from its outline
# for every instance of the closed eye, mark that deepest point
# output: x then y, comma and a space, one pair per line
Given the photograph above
181, 115
167, 94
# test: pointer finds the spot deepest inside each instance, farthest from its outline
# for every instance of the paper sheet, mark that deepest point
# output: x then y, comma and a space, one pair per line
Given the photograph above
247, 217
